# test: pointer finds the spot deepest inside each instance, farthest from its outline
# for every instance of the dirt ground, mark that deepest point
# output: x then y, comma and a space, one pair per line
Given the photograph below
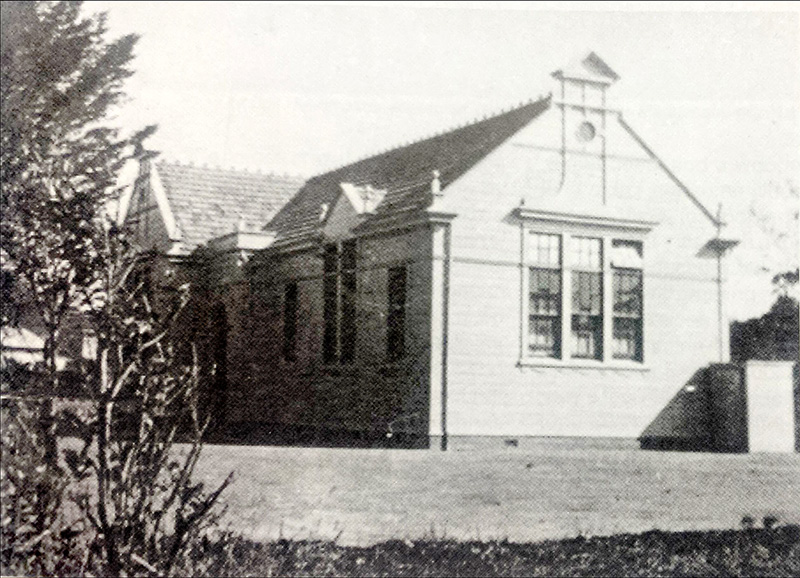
361, 496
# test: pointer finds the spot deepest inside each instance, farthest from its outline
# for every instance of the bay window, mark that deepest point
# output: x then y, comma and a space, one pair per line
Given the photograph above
584, 299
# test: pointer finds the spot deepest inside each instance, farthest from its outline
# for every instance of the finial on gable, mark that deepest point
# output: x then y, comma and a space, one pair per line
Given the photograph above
436, 184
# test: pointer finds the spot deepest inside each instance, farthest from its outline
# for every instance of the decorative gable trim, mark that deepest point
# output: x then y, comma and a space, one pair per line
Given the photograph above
162, 201
716, 222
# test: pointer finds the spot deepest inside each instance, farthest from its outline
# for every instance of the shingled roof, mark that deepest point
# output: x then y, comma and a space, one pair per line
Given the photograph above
209, 202
404, 172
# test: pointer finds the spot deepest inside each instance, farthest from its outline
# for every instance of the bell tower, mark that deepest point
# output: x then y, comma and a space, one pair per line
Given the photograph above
581, 98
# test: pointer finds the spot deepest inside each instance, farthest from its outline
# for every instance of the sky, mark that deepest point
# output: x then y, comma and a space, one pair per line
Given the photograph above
302, 88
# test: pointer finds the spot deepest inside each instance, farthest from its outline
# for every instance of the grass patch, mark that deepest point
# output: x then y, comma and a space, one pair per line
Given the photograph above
748, 552
522, 494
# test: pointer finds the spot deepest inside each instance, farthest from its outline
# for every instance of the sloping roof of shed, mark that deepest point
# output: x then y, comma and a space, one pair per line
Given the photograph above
209, 202
405, 172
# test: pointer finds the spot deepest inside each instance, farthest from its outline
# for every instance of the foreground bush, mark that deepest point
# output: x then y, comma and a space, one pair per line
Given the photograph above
135, 505
749, 552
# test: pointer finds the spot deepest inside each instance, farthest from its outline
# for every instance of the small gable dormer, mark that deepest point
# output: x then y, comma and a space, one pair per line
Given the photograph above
364, 198
354, 204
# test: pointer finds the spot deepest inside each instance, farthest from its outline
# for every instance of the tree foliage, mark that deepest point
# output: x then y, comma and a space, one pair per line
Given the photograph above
59, 158
777, 225
773, 336
133, 507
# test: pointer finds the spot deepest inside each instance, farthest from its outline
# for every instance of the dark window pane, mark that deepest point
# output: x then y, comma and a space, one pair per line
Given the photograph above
349, 256
587, 315
587, 336
330, 290
628, 338
396, 318
348, 288
348, 316
544, 336
544, 323
587, 293
545, 292
340, 294
330, 259
290, 322
627, 293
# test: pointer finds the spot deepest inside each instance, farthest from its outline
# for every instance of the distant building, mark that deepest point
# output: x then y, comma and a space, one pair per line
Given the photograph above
204, 223
175, 208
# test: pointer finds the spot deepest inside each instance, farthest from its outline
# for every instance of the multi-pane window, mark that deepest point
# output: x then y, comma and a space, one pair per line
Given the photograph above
545, 250
626, 262
339, 289
330, 291
587, 298
584, 298
396, 318
290, 322
544, 294
347, 345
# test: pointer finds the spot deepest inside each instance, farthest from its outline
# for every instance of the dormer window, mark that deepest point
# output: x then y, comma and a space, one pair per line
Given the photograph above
364, 198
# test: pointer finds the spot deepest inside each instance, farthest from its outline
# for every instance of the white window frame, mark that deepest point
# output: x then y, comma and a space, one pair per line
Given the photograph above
568, 226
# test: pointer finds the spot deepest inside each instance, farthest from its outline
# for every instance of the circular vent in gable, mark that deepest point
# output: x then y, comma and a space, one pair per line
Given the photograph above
586, 131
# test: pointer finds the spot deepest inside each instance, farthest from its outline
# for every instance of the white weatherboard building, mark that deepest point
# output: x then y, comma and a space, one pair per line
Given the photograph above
539, 272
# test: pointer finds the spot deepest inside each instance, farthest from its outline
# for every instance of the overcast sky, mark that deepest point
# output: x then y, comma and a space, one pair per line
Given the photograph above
304, 88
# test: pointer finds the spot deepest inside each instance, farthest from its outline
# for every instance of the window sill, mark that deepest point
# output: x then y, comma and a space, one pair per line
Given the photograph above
612, 365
